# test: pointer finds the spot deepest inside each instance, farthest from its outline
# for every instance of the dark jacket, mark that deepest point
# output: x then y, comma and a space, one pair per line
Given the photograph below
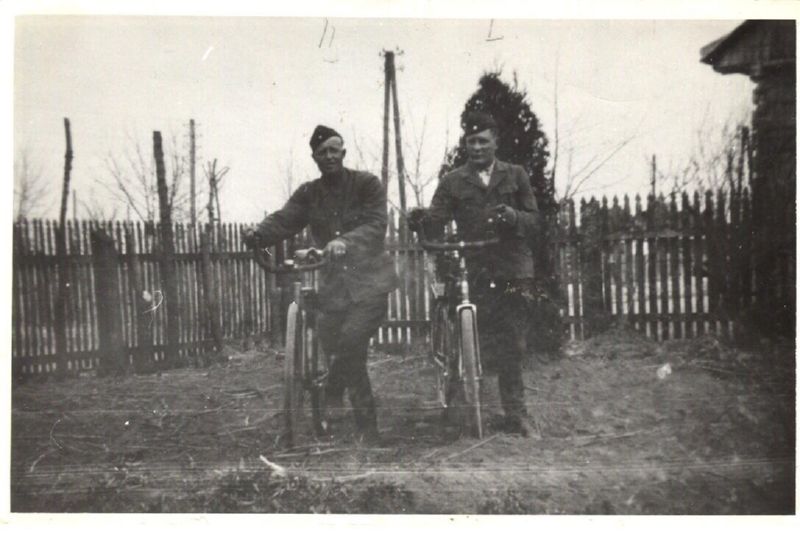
352, 208
461, 196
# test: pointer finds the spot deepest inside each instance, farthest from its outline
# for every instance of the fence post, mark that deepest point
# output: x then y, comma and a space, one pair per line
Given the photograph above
167, 256
113, 357
591, 267
143, 362
209, 292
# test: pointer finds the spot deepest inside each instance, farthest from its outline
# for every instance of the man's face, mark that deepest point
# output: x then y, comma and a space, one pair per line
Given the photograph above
481, 148
329, 156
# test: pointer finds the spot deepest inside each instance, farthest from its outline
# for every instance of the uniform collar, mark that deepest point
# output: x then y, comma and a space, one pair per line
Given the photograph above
498, 168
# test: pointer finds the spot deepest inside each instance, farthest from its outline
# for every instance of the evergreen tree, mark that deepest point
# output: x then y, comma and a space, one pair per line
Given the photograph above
521, 141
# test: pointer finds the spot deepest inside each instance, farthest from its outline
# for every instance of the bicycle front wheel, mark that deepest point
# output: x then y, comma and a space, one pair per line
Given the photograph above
471, 372
293, 372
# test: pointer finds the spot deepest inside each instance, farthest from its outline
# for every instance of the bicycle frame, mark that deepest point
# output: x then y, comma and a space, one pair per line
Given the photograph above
305, 364
464, 331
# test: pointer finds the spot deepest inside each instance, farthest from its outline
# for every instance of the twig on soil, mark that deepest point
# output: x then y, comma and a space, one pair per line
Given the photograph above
468, 449
276, 468
337, 450
316, 453
595, 439
720, 370
428, 455
309, 446
344, 479
52, 438
35, 462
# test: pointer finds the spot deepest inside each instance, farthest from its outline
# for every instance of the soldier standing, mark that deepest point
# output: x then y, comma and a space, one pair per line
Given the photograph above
501, 276
346, 211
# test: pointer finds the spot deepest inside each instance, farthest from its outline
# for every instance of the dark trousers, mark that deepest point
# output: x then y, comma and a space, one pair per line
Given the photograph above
345, 335
503, 319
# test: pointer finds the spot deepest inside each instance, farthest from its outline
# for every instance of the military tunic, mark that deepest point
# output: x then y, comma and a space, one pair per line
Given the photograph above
501, 276
353, 289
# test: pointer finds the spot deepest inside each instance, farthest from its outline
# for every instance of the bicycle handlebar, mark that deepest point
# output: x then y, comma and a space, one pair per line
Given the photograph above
459, 245
304, 260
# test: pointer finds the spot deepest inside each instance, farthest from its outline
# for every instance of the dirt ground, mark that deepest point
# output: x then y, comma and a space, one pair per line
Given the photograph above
715, 435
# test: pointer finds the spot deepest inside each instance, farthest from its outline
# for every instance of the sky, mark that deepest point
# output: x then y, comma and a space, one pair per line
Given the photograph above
257, 87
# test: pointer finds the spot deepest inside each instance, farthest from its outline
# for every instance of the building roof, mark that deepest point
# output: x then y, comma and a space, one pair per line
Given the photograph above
752, 46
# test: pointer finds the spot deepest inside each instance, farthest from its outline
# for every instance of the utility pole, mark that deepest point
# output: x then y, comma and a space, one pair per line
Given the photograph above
653, 176
388, 58
191, 173
390, 82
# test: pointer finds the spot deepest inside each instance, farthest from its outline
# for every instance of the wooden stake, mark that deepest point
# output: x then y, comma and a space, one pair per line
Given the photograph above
167, 255
191, 173
388, 59
61, 254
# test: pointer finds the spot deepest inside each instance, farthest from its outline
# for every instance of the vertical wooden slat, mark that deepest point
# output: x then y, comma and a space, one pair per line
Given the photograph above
686, 263
607, 271
674, 268
663, 270
747, 251
713, 254
640, 270
652, 261
56, 305
17, 349
39, 285
699, 264
722, 267
24, 284
733, 301
76, 288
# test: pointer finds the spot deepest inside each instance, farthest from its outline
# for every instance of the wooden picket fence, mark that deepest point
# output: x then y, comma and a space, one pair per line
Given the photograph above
678, 267
247, 301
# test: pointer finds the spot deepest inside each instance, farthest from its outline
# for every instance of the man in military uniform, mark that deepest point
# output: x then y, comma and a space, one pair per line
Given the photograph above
501, 276
346, 210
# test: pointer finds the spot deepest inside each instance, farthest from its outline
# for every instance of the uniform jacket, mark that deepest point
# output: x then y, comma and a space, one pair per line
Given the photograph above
352, 208
461, 196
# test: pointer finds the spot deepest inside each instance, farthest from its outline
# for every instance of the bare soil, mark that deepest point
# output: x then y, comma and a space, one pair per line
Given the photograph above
716, 435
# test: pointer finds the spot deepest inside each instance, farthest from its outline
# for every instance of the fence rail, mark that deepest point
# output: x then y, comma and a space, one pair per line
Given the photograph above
678, 268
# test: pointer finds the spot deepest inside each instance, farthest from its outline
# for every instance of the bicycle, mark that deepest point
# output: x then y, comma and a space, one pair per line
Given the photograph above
454, 345
305, 365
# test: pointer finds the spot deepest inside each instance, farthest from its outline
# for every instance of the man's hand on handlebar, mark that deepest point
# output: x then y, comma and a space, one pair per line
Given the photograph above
336, 248
250, 237
416, 218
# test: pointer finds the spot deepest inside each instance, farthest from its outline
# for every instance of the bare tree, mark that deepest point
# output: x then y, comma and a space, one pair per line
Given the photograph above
578, 175
719, 158
214, 177
131, 181
30, 188
420, 177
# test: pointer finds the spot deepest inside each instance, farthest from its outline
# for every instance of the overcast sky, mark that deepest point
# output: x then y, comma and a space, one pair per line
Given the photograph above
257, 87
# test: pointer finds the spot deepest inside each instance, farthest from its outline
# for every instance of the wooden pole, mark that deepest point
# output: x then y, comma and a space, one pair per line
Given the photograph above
209, 292
653, 176
192, 173
388, 60
168, 277
113, 357
61, 256
398, 142
143, 303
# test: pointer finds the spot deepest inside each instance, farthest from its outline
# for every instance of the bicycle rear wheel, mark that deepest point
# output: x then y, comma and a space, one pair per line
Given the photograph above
293, 372
471, 371
442, 351
318, 371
